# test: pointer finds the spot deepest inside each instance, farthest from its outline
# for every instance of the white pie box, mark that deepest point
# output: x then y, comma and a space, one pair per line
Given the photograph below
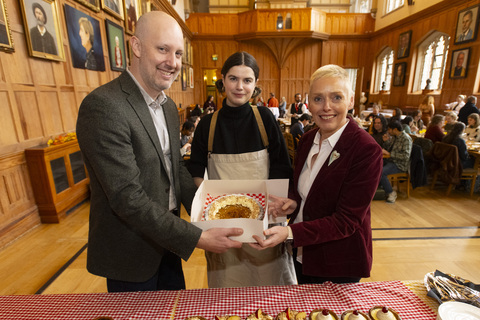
217, 188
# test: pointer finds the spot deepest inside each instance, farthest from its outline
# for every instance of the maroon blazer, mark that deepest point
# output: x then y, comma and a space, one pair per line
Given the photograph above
336, 233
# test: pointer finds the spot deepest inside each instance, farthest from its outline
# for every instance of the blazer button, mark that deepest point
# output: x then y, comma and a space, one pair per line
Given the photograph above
167, 190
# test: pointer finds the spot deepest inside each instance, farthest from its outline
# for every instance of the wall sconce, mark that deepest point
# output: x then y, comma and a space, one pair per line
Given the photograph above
373, 12
214, 57
288, 21
279, 22
411, 2
214, 79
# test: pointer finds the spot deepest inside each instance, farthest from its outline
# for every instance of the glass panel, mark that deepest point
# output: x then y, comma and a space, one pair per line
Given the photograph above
59, 173
78, 169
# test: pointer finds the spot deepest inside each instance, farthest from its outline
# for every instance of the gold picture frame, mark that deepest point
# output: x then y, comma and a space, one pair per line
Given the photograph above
6, 40
91, 4
114, 7
132, 13
37, 14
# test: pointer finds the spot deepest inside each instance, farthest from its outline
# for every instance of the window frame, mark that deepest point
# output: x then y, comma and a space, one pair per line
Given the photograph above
388, 54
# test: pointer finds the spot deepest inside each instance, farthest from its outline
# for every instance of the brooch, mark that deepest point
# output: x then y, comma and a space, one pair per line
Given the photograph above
334, 156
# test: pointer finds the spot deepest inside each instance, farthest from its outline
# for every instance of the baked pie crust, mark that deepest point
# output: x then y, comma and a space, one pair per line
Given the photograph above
234, 206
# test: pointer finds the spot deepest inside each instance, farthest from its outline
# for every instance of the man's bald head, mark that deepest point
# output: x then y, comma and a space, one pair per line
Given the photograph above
153, 21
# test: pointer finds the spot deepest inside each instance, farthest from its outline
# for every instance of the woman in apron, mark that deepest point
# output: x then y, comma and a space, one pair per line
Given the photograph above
241, 142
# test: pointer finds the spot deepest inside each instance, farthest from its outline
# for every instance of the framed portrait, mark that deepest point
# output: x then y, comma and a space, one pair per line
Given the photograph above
184, 78
404, 44
92, 4
42, 29
399, 74
85, 40
129, 53
459, 63
132, 13
6, 41
116, 46
114, 7
467, 25
190, 76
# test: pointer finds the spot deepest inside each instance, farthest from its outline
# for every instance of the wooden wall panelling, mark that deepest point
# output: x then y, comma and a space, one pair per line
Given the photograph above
8, 133
17, 206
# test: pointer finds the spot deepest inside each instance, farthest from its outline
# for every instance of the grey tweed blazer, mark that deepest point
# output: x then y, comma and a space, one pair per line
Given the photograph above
130, 224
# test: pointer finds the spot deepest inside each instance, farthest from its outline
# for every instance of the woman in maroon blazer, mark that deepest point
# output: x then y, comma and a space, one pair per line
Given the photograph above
336, 175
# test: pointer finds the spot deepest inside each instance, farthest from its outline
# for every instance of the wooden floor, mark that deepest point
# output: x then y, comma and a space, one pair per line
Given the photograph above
412, 237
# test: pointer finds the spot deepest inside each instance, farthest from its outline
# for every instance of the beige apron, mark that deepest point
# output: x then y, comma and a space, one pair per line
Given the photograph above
246, 266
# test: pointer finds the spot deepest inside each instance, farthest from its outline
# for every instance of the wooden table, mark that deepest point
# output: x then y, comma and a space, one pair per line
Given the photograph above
407, 298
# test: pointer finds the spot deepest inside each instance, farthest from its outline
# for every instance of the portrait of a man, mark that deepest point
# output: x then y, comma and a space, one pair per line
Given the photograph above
5, 36
42, 29
459, 63
399, 74
42, 39
116, 45
467, 25
404, 45
114, 7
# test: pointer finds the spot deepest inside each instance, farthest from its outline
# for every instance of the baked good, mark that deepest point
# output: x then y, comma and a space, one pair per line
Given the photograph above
227, 318
290, 314
259, 315
234, 206
195, 318
383, 313
354, 315
323, 314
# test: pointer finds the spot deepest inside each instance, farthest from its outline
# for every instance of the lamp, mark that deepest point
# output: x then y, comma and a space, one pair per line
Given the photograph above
279, 22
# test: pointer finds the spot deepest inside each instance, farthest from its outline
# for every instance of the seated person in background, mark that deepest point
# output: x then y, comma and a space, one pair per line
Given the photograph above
375, 112
379, 129
469, 108
396, 150
455, 138
407, 124
297, 129
434, 130
457, 105
197, 111
186, 136
450, 120
195, 120
417, 121
208, 111
473, 129
396, 115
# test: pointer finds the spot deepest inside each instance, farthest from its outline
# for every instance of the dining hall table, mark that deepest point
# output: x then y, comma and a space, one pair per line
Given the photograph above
408, 298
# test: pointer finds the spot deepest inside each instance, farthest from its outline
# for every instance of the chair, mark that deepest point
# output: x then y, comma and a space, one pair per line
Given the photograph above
290, 146
416, 175
446, 165
424, 143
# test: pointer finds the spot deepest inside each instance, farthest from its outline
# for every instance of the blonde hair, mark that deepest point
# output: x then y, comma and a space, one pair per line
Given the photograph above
87, 26
332, 71
452, 115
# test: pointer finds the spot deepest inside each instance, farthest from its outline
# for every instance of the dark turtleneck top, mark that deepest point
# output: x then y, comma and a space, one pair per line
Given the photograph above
237, 132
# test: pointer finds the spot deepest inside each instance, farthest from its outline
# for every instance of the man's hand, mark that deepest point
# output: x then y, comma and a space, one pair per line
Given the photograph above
217, 239
280, 207
275, 235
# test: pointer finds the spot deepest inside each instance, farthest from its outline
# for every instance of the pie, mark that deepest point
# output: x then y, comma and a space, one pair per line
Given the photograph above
234, 206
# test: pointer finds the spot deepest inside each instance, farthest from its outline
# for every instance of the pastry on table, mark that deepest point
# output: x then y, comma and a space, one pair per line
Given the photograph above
290, 314
323, 314
195, 318
259, 315
234, 206
354, 315
383, 313
228, 318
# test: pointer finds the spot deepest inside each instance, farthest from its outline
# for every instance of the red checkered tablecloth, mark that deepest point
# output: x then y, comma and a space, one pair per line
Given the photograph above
178, 305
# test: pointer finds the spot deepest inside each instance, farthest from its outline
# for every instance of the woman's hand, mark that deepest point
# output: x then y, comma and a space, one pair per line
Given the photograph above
280, 207
275, 235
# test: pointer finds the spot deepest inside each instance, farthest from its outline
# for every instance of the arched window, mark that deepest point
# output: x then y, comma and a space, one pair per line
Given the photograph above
431, 60
391, 5
383, 72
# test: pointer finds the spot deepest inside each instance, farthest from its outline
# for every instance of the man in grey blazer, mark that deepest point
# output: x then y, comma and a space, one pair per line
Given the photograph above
128, 131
